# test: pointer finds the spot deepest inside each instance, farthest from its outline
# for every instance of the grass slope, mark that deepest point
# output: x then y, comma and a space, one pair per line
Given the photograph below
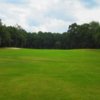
27, 74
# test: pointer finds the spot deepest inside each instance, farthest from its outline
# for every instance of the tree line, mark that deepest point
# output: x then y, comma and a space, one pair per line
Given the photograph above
86, 35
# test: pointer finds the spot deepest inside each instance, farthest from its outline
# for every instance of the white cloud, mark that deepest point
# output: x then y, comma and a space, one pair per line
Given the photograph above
52, 24
85, 15
48, 15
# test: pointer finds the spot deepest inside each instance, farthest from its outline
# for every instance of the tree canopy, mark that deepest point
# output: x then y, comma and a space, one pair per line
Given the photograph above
86, 35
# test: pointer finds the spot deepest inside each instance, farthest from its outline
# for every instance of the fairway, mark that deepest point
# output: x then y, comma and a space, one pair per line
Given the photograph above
31, 74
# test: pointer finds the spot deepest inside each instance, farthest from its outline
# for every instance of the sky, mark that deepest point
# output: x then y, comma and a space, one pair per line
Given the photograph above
48, 15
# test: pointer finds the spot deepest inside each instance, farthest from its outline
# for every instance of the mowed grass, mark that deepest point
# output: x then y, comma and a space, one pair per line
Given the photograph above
27, 74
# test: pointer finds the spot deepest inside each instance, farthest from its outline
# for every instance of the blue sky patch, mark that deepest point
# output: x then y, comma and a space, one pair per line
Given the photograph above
90, 3
14, 1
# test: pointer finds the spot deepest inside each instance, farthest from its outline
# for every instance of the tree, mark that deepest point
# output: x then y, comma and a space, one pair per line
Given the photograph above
86, 35
97, 40
0, 32
73, 35
0, 22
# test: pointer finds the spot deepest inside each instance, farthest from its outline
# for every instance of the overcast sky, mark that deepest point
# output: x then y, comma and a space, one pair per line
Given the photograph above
48, 15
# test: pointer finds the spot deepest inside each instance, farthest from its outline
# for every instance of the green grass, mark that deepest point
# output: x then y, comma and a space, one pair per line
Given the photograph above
27, 74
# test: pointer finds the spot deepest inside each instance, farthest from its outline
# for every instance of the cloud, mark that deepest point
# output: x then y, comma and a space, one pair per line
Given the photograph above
48, 15
85, 15
52, 24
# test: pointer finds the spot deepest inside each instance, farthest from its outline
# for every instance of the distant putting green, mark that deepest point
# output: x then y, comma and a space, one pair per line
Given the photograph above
27, 74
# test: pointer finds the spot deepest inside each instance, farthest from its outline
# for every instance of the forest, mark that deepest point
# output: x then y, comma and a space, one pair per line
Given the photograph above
86, 35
